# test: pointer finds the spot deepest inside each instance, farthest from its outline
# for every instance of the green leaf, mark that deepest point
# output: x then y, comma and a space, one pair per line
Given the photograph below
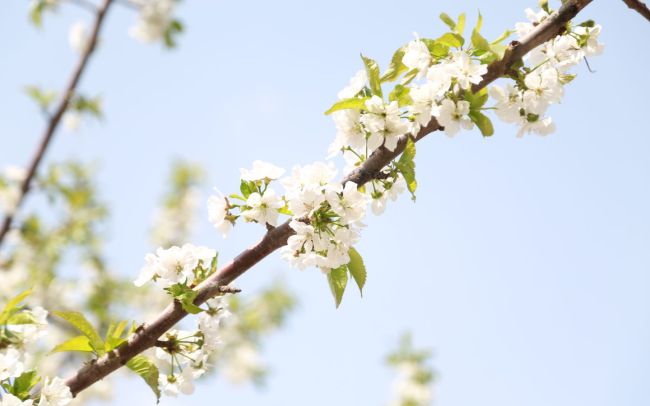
436, 49
479, 23
406, 166
114, 335
451, 40
357, 269
84, 104
401, 94
42, 98
338, 280
22, 318
502, 37
78, 321
185, 296
12, 306
78, 343
396, 67
174, 28
448, 20
247, 188
351, 103
460, 27
36, 13
482, 122
372, 69
476, 100
147, 370
480, 43
24, 384
410, 76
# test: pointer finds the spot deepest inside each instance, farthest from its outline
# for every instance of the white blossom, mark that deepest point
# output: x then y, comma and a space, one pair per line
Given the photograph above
154, 18
417, 56
218, 212
543, 88
263, 208
10, 364
10, 400
453, 116
78, 37
71, 120
465, 70
55, 393
509, 102
261, 170
357, 82
174, 265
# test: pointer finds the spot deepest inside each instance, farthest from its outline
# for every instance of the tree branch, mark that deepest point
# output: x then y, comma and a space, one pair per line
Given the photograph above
275, 238
639, 6
55, 118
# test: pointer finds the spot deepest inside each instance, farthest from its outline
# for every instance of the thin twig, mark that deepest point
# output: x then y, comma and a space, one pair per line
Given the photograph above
639, 7
55, 119
147, 337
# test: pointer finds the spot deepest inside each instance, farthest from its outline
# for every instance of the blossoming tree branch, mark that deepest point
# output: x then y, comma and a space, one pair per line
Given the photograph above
445, 83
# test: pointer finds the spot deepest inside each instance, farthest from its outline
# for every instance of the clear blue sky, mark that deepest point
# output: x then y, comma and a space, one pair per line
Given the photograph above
524, 264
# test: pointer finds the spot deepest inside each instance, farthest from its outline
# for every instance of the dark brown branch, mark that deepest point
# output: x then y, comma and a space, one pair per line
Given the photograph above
639, 7
147, 337
56, 116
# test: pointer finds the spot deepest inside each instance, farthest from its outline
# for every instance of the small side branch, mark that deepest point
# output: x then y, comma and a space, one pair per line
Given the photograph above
55, 118
640, 7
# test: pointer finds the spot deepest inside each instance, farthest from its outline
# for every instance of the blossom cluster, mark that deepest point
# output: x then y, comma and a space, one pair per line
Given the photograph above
19, 331
325, 215
183, 356
185, 265
525, 103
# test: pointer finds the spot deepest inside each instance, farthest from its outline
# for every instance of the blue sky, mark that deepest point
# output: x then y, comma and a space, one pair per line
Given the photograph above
524, 264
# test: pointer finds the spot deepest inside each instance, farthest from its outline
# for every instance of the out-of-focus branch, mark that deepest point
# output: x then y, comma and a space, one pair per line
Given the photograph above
639, 7
147, 335
55, 118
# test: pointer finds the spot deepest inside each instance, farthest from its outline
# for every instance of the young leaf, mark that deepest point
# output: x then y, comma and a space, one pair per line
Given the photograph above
482, 122
410, 76
174, 28
372, 69
448, 20
351, 103
476, 100
502, 37
396, 67
406, 166
185, 296
480, 43
247, 188
338, 280
78, 321
43, 99
147, 370
12, 306
24, 383
357, 269
460, 27
78, 343
22, 318
401, 94
451, 40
